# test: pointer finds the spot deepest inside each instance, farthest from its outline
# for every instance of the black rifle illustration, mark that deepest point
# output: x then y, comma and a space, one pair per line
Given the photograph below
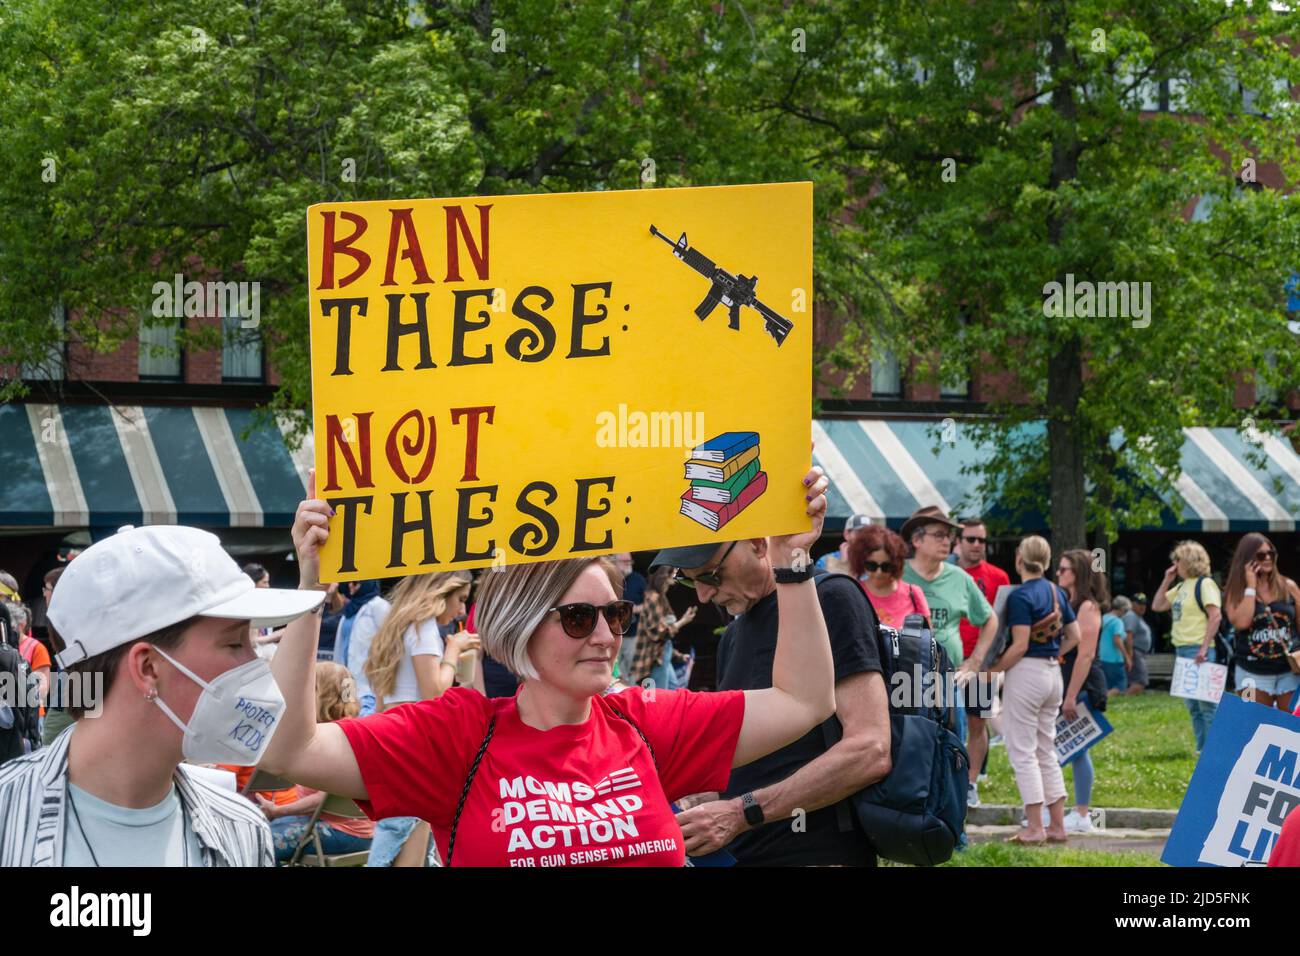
733, 291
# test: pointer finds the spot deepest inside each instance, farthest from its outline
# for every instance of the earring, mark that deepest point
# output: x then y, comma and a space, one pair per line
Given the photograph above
152, 695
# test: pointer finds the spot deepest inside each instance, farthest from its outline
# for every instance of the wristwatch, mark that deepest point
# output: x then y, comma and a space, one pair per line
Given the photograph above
791, 576
753, 812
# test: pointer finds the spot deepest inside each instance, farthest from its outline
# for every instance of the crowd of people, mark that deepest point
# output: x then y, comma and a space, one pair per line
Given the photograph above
536, 715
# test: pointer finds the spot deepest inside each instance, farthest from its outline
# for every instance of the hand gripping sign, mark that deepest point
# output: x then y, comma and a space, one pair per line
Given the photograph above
520, 378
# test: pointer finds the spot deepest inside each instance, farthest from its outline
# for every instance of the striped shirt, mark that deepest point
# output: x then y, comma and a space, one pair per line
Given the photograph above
34, 801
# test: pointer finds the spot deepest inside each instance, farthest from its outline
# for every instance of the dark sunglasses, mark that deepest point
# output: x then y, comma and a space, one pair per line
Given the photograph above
710, 578
579, 620
887, 567
1265, 555
971, 539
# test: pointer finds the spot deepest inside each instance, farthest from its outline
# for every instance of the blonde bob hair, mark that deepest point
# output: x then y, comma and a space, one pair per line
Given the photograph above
1194, 555
512, 601
1034, 553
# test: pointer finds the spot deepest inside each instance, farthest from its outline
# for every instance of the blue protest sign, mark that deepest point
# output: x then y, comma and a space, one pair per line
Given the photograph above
1245, 784
1073, 737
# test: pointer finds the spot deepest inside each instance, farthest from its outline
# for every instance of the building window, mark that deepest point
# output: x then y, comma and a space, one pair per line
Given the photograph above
1145, 95
160, 354
886, 382
51, 367
958, 386
241, 351
1266, 394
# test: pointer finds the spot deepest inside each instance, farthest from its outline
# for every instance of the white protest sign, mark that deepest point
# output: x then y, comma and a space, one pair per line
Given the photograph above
1203, 681
1075, 736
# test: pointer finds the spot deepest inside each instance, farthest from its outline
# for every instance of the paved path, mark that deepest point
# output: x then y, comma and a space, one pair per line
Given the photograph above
1112, 840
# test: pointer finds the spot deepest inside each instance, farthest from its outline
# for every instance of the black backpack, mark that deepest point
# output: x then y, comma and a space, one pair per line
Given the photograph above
917, 813
20, 731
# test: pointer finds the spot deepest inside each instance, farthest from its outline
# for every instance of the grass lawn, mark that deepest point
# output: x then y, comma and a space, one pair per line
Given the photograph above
1002, 854
1146, 762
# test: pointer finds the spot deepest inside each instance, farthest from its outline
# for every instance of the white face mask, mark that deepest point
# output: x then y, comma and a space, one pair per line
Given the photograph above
235, 716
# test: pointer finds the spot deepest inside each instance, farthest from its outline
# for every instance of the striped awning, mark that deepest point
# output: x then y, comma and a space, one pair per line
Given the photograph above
888, 469
102, 466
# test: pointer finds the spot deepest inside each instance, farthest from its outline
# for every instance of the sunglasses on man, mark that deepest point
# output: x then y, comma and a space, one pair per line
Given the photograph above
579, 620
973, 539
710, 578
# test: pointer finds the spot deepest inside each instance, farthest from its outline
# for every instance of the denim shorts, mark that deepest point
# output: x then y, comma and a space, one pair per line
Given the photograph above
1271, 684
391, 835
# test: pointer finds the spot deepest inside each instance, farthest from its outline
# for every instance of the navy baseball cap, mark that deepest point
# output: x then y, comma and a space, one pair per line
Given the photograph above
692, 556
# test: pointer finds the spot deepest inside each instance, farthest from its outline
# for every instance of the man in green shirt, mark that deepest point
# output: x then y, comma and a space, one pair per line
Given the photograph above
951, 593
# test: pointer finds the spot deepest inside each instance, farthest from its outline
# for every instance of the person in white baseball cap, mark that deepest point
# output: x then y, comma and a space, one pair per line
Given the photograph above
161, 668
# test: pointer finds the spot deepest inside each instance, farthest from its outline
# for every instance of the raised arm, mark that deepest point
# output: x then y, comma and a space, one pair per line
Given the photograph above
802, 694
1160, 602
302, 751
1242, 612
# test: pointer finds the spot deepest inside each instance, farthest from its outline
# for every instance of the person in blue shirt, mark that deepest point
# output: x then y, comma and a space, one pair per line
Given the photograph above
1039, 617
1112, 649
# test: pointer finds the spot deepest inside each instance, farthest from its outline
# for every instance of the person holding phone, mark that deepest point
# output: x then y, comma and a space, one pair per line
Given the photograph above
559, 773
1194, 603
1261, 605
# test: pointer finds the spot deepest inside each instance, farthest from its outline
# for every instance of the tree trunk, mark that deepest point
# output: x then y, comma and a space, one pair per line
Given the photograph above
1065, 363
1065, 446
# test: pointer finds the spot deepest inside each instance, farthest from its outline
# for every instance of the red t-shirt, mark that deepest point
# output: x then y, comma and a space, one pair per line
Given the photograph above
1286, 852
574, 795
989, 577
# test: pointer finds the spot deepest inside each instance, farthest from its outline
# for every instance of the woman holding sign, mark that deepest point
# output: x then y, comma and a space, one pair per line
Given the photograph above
1080, 667
1040, 616
1260, 603
557, 775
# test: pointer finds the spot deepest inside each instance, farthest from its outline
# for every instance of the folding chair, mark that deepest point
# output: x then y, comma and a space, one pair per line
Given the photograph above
262, 781
339, 806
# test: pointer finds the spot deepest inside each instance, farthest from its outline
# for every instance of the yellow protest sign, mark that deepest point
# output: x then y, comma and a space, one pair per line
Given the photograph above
520, 378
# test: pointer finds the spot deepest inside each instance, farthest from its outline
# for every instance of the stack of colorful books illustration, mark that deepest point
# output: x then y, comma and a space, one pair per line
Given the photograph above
725, 479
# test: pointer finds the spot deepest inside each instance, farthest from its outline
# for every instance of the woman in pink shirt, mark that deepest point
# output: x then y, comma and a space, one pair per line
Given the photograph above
876, 557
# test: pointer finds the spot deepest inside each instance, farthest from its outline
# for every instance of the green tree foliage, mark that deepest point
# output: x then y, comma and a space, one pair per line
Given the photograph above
964, 156
997, 147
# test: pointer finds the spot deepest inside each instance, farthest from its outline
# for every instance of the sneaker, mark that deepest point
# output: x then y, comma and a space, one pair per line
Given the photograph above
1076, 823
972, 795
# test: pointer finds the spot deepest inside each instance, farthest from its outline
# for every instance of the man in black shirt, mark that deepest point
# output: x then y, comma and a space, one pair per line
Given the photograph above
789, 808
